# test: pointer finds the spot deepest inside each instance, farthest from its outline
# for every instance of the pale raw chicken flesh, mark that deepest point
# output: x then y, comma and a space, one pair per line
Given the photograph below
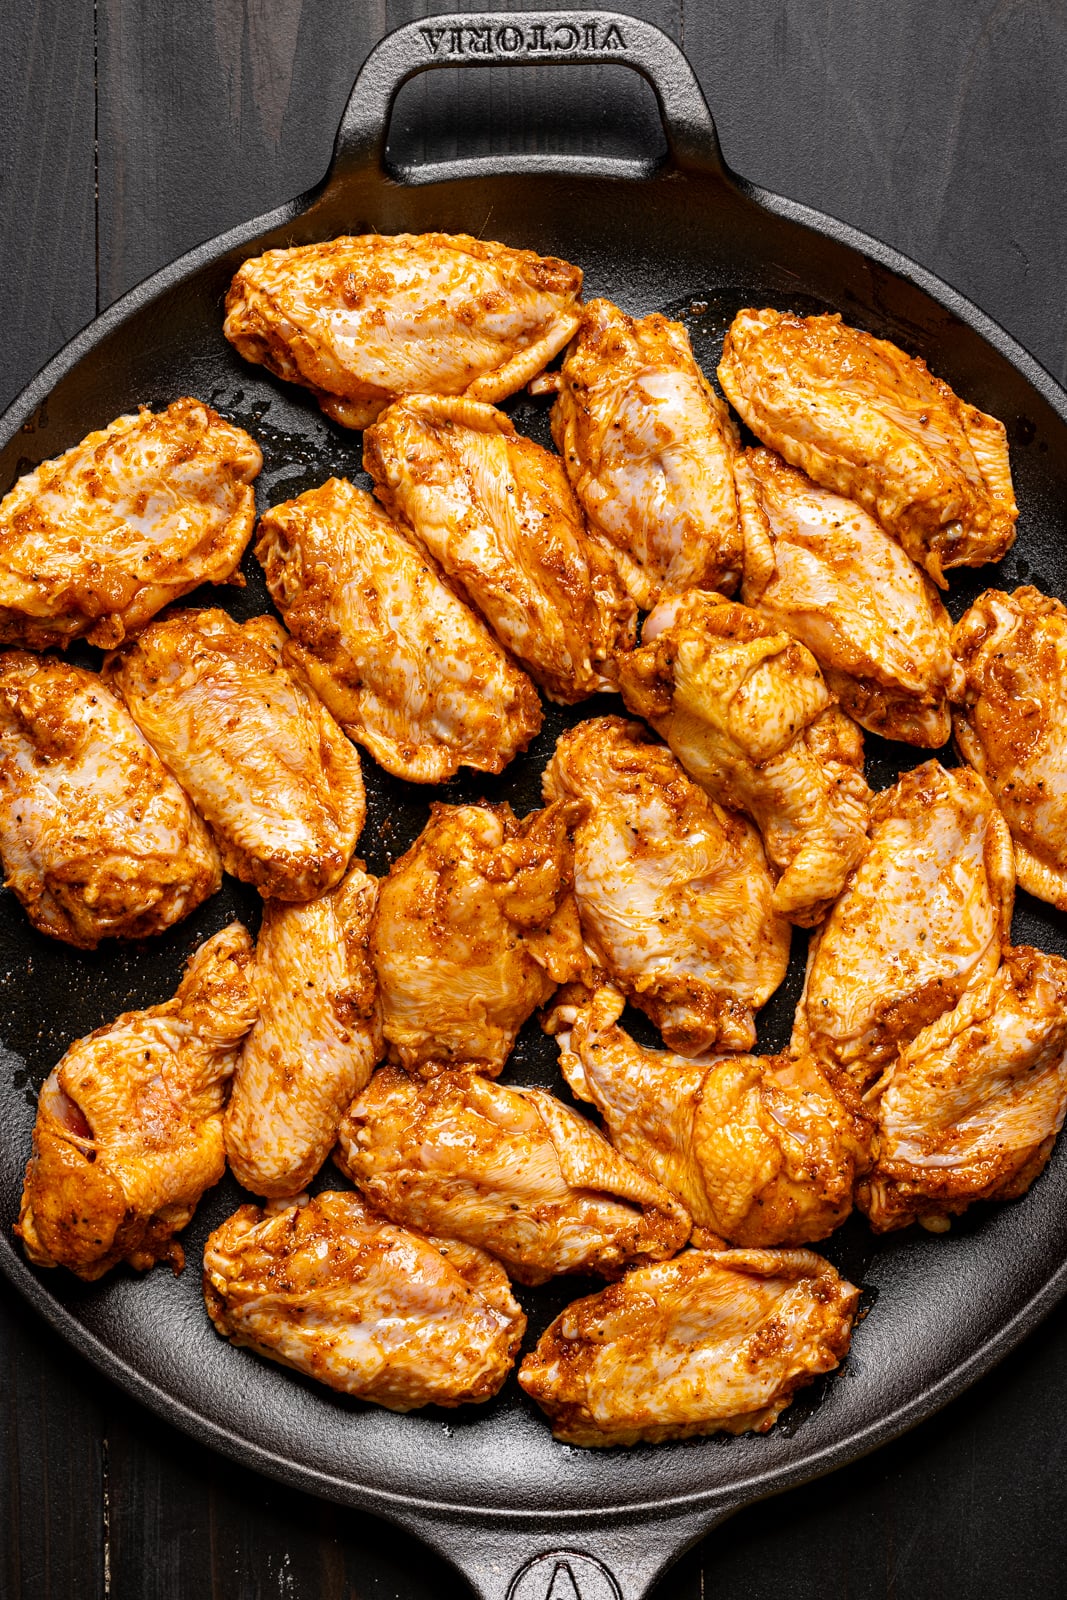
747, 712
251, 743
98, 540
820, 567
129, 1124
674, 893
377, 1311
861, 417
97, 839
360, 320
407, 669
315, 1043
649, 449
497, 514
713, 1341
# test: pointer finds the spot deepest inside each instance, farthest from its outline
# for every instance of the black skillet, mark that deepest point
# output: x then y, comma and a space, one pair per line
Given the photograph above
526, 1518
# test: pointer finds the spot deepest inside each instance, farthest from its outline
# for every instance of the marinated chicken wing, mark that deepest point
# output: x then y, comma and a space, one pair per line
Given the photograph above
924, 916
864, 419
496, 512
377, 1311
760, 1149
359, 321
405, 667
248, 739
97, 839
972, 1106
1013, 649
129, 1124
818, 566
649, 449
475, 926
714, 1341
673, 892
100, 539
746, 710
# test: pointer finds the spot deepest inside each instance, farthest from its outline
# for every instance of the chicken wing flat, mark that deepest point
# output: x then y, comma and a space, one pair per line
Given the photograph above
129, 1124
713, 1341
359, 321
747, 712
675, 895
818, 566
1013, 650
97, 541
861, 417
315, 1043
972, 1106
97, 839
251, 743
496, 512
406, 668
926, 914
760, 1149
649, 449
513, 1171
474, 928
377, 1311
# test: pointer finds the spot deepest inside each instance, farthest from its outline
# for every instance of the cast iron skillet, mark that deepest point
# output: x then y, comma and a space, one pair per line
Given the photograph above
522, 1516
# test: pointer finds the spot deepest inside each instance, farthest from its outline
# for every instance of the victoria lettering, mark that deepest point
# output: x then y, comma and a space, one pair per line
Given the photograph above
533, 38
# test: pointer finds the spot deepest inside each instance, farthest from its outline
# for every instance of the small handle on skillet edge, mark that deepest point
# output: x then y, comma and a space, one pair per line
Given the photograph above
526, 38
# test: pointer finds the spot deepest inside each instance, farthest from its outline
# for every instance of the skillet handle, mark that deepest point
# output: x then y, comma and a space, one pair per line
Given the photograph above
525, 38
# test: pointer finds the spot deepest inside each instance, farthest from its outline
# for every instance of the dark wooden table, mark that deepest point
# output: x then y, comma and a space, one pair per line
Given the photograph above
132, 129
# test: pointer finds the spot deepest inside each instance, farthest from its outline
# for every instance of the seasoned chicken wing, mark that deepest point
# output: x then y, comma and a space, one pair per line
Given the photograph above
511, 1170
864, 419
252, 744
673, 892
498, 515
818, 566
359, 321
745, 709
971, 1108
129, 1124
475, 926
649, 449
377, 1311
406, 668
760, 1149
925, 915
100, 539
1013, 650
713, 1341
97, 839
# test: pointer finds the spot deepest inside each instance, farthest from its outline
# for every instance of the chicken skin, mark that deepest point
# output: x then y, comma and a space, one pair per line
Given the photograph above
359, 321
97, 839
864, 419
649, 450
97, 541
380, 1312
924, 916
1013, 650
713, 1341
674, 893
760, 1149
252, 744
129, 1124
819, 567
316, 1041
747, 712
405, 667
475, 926
496, 512
513, 1171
